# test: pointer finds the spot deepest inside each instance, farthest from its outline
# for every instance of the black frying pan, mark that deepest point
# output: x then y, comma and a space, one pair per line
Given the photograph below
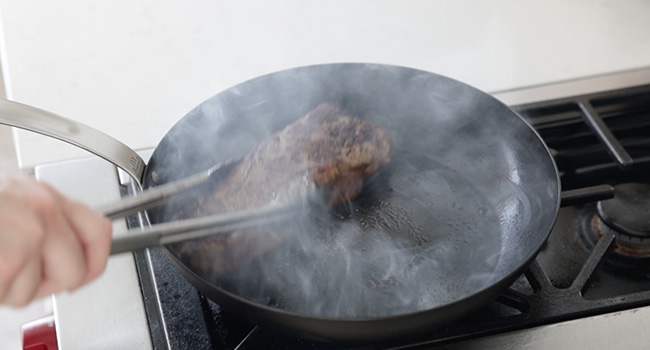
465, 205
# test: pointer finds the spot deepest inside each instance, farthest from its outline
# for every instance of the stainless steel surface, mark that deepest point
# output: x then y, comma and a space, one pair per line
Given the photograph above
216, 225
109, 312
156, 196
574, 87
75, 133
617, 330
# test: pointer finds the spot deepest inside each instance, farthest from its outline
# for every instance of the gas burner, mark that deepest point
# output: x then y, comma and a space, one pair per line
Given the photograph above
628, 212
627, 215
625, 245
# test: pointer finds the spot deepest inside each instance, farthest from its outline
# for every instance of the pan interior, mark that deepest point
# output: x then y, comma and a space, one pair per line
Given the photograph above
469, 196
419, 236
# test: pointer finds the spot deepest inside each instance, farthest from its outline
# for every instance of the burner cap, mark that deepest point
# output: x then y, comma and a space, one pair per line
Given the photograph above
629, 211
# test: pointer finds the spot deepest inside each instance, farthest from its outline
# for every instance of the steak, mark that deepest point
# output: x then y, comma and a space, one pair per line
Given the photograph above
327, 147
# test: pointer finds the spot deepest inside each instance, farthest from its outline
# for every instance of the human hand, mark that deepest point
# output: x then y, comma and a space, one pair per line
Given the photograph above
48, 243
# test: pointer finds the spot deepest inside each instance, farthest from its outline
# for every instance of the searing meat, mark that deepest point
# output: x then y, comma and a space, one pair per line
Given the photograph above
327, 147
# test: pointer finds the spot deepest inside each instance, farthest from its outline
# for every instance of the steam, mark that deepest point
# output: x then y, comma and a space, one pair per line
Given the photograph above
428, 228
380, 255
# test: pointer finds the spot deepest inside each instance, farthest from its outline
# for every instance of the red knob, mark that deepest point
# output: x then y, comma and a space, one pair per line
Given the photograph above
40, 334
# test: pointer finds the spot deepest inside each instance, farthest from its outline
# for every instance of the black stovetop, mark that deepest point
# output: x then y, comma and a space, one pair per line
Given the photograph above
599, 141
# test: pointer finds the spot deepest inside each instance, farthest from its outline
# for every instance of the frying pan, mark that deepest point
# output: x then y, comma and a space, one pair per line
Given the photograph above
468, 200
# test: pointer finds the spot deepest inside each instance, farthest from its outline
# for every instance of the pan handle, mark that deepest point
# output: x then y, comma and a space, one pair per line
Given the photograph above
49, 124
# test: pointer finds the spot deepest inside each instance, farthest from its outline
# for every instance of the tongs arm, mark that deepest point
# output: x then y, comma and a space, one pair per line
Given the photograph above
220, 224
177, 231
159, 195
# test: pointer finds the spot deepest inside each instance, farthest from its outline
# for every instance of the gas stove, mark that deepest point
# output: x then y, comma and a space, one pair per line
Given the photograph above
589, 285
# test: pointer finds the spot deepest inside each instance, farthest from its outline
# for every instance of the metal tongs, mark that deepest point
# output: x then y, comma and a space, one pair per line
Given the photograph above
182, 230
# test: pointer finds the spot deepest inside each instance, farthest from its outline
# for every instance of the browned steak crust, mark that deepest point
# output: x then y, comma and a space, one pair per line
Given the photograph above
326, 147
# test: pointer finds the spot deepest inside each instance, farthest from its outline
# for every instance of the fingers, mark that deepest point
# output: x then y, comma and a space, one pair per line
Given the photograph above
48, 243
63, 258
16, 248
85, 239
21, 236
25, 285
94, 232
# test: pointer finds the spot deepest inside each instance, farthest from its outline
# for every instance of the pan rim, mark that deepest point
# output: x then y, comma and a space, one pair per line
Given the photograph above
503, 281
